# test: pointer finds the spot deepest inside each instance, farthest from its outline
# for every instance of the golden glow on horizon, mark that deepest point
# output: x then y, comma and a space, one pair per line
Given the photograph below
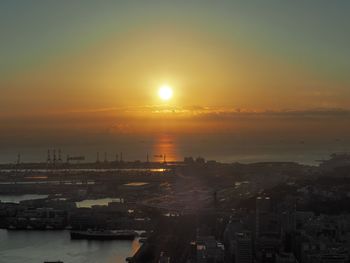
165, 145
165, 92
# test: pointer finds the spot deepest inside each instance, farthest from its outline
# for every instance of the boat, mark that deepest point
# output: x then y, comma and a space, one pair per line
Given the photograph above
104, 234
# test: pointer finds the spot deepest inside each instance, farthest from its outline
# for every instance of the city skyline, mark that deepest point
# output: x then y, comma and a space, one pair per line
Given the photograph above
174, 131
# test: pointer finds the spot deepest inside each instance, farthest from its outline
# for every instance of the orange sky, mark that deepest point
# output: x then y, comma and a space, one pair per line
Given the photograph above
95, 69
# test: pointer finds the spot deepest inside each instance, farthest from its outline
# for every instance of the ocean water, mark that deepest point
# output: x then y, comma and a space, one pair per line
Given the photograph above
224, 148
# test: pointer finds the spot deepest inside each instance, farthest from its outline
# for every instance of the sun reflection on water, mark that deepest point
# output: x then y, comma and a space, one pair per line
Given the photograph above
165, 145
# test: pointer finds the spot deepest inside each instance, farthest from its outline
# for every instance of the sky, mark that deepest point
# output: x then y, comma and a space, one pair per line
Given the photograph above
73, 69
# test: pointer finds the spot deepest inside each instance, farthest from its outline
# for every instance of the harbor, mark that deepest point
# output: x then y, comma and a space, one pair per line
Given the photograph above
51, 246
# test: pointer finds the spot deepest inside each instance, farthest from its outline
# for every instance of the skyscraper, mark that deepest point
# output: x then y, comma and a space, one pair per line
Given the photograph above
243, 247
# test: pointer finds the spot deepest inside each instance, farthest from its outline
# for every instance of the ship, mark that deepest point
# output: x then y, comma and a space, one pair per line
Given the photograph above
104, 234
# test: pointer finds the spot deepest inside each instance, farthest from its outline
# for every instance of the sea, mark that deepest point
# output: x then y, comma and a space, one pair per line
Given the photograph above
223, 148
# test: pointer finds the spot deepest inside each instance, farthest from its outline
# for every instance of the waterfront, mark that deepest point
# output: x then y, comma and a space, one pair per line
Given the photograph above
40, 246
225, 148
88, 203
19, 198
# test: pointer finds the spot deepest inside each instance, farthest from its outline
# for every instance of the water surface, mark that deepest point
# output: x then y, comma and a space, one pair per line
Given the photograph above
39, 246
88, 203
19, 198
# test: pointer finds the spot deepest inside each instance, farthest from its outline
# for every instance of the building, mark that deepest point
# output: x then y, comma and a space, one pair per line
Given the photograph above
243, 247
286, 258
263, 207
267, 230
208, 250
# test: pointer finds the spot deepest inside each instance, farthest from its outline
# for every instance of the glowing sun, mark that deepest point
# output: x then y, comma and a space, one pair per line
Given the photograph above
165, 92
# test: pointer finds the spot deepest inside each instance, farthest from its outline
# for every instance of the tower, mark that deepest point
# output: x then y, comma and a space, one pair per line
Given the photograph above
54, 156
18, 158
59, 156
215, 198
98, 157
48, 160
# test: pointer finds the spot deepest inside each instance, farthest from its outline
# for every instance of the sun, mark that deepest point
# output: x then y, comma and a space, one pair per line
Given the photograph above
165, 92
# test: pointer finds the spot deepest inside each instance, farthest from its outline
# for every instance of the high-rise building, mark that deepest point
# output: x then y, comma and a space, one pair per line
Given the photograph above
286, 258
243, 247
267, 231
263, 207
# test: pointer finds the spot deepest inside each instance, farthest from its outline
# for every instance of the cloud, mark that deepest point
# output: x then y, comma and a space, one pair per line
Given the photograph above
204, 112
160, 118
